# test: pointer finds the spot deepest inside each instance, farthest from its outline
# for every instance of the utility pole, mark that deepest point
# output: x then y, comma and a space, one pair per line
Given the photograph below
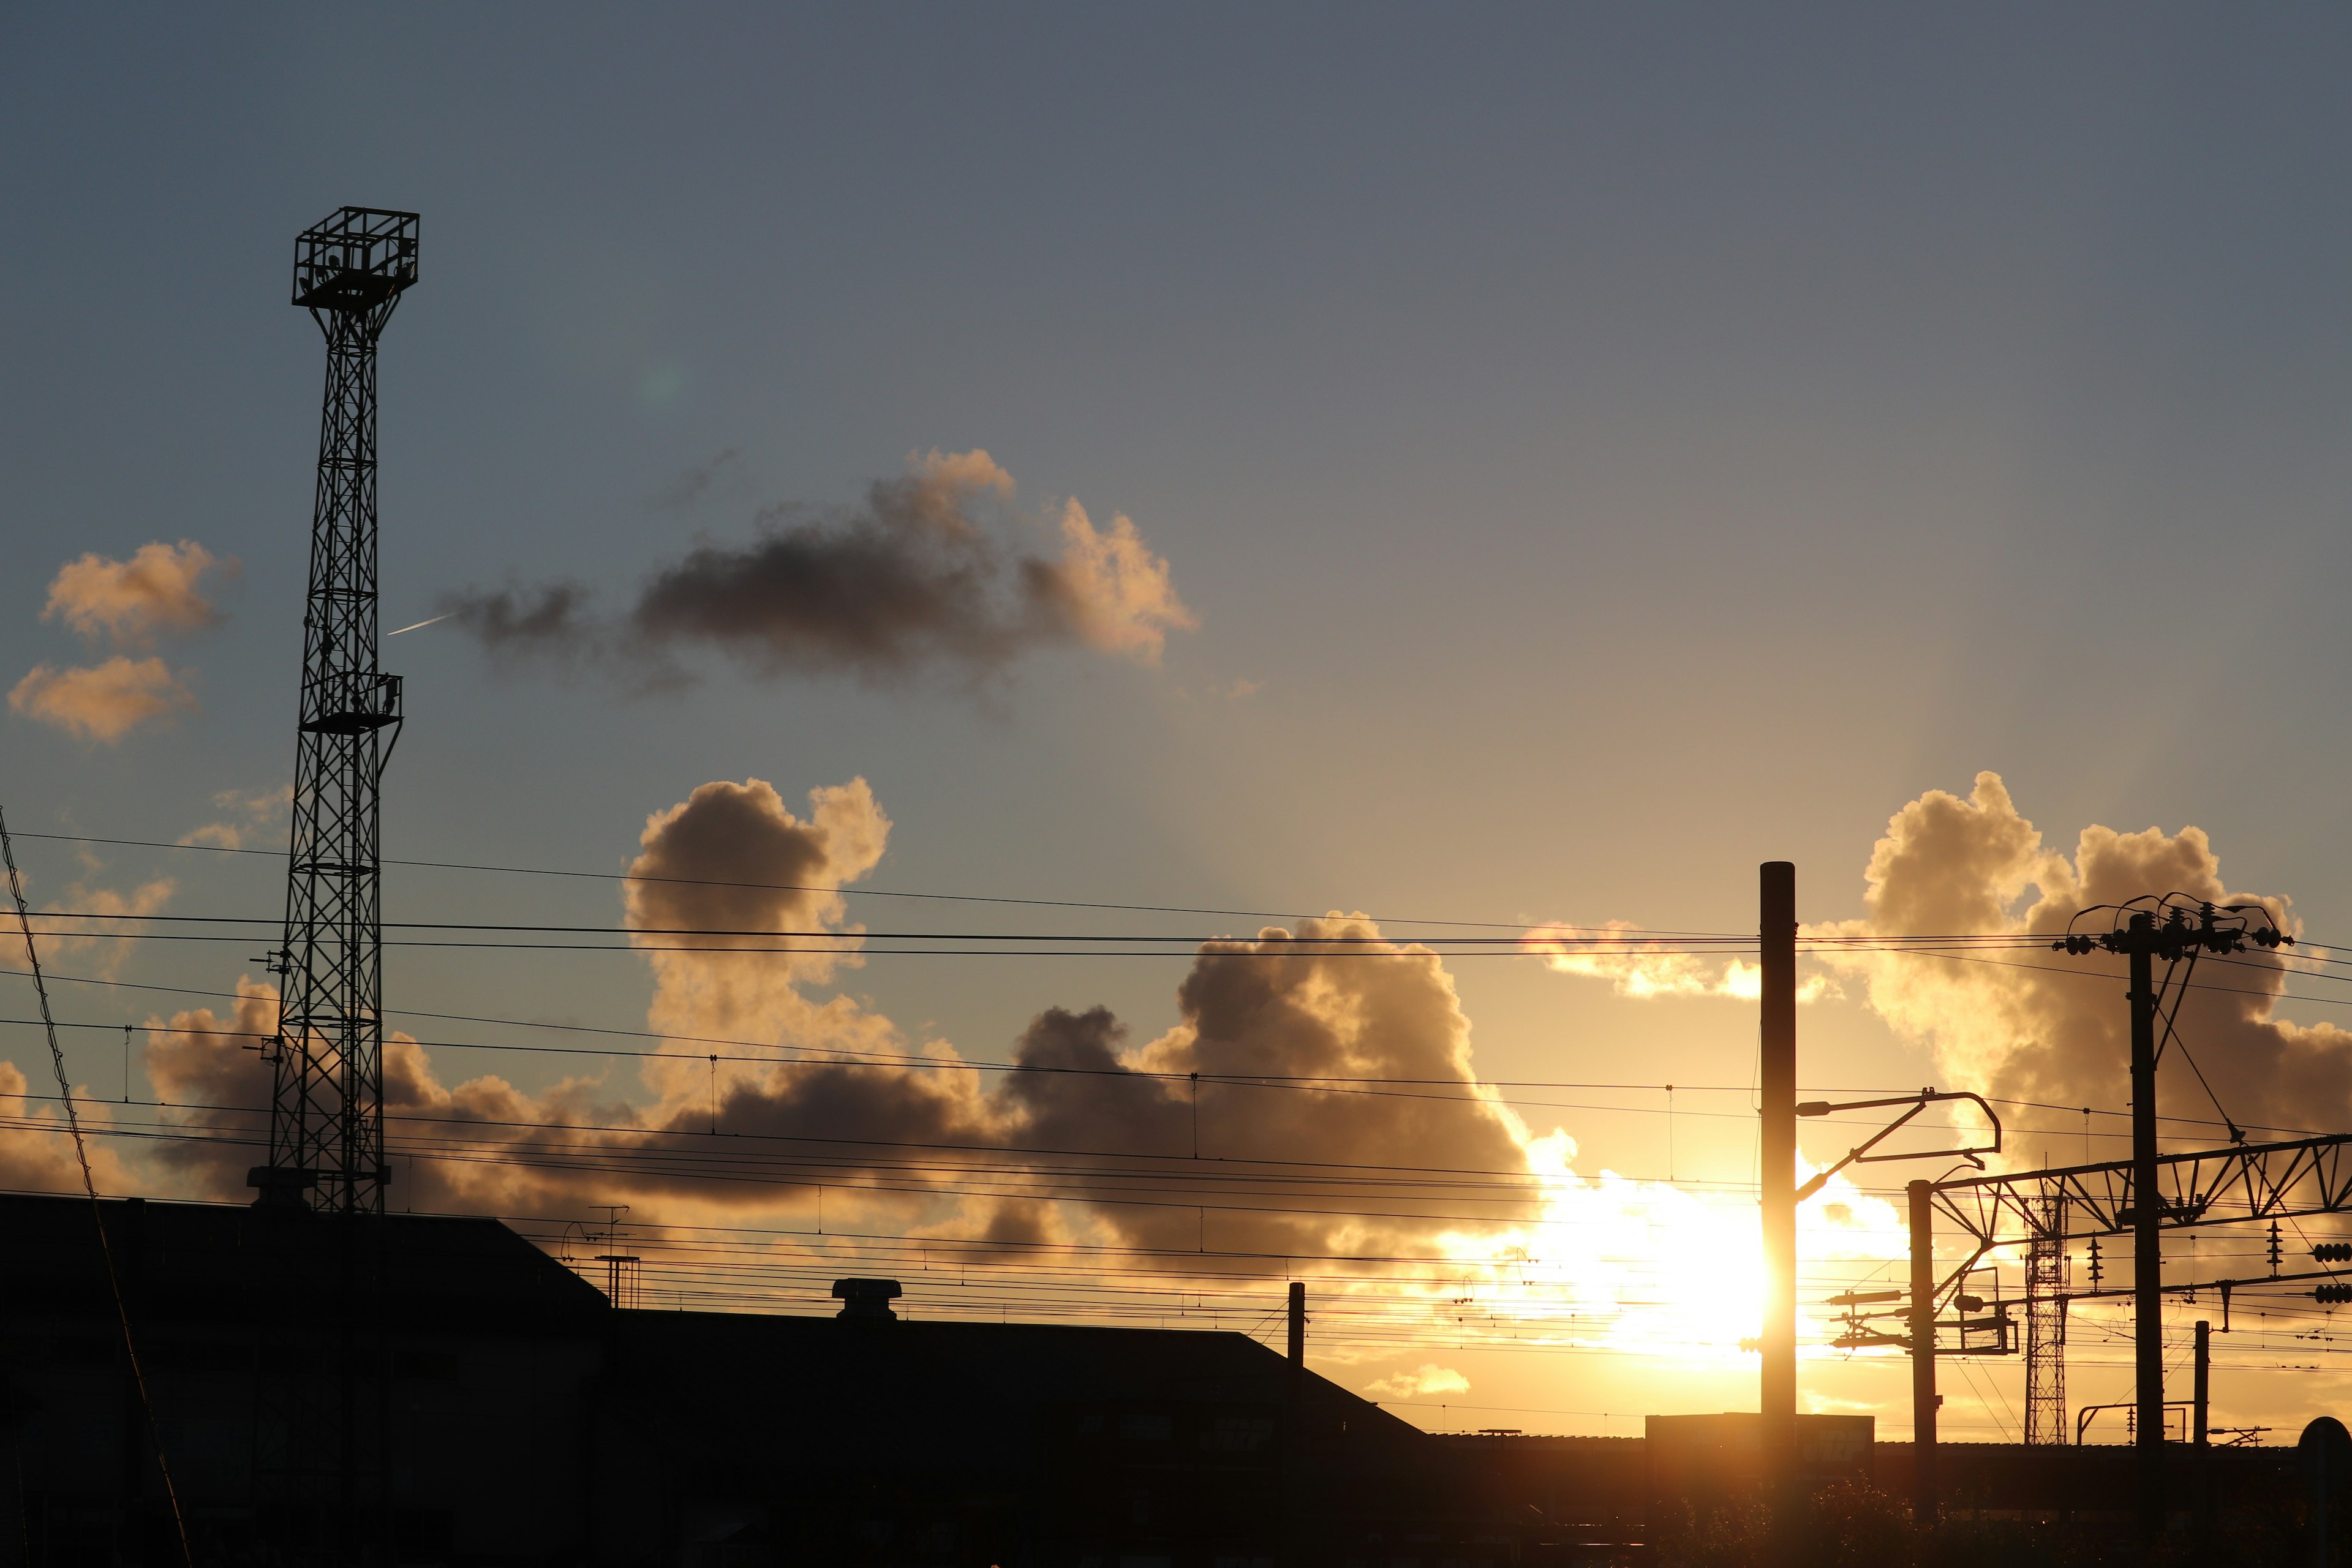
2147, 1241
1777, 1390
2200, 1427
326, 1120
2188, 929
1924, 1397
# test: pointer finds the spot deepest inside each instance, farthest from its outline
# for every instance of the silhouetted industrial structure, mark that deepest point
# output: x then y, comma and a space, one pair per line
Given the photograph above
321, 1380
326, 1124
2045, 1329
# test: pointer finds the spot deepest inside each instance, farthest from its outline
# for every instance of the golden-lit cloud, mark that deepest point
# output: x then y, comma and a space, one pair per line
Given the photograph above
101, 702
130, 601
245, 813
36, 1152
1421, 1383
2038, 1025
732, 859
1645, 966
1120, 594
1267, 1122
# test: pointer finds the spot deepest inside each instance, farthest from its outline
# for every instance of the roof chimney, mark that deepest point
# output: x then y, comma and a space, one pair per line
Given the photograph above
868, 1300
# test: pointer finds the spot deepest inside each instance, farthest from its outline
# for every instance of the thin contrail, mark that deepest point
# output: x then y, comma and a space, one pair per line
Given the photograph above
440, 617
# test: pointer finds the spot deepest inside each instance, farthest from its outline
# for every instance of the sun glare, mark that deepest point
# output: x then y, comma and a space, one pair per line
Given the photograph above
1653, 1269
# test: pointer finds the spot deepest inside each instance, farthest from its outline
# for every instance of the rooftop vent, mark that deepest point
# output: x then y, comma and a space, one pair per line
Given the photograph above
866, 1300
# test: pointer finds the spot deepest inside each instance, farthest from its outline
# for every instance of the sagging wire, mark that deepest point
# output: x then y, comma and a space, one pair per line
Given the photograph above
89, 1185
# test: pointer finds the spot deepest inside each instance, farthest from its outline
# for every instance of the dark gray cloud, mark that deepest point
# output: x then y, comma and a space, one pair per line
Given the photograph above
925, 578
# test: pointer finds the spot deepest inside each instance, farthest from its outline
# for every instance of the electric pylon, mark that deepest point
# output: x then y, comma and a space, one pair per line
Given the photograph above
326, 1122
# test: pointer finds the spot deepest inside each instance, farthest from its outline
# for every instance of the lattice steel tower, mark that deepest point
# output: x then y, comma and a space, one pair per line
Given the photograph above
2045, 1324
326, 1122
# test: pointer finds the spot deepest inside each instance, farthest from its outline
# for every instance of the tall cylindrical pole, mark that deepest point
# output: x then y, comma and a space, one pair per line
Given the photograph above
2201, 1428
2201, 1410
1777, 1391
1297, 1325
1924, 1398
2148, 1257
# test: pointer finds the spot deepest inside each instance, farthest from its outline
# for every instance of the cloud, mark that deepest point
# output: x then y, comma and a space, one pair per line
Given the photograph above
1646, 967
1419, 1384
1298, 1037
114, 917
1330, 1003
130, 601
210, 1071
900, 1127
37, 1151
248, 812
104, 703
733, 858
482, 1145
2042, 1025
922, 579
1118, 594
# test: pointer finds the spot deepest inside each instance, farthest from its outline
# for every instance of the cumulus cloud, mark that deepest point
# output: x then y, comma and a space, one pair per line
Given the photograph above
209, 1070
2042, 1025
101, 702
36, 1152
1265, 1123
1642, 966
130, 601
732, 859
128, 604
1331, 1003
926, 577
1274, 1035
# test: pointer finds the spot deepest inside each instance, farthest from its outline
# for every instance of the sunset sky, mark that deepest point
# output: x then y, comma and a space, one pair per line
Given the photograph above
1517, 466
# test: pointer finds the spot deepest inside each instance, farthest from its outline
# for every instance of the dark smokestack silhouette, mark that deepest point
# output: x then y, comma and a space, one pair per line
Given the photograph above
868, 1300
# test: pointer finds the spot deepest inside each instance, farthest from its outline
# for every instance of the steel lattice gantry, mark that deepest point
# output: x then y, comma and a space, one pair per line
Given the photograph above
326, 1126
2206, 1187
2246, 1181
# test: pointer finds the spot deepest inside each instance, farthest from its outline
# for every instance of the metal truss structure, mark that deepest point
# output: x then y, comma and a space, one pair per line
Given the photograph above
2257, 1182
326, 1124
2045, 1333
2200, 1187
